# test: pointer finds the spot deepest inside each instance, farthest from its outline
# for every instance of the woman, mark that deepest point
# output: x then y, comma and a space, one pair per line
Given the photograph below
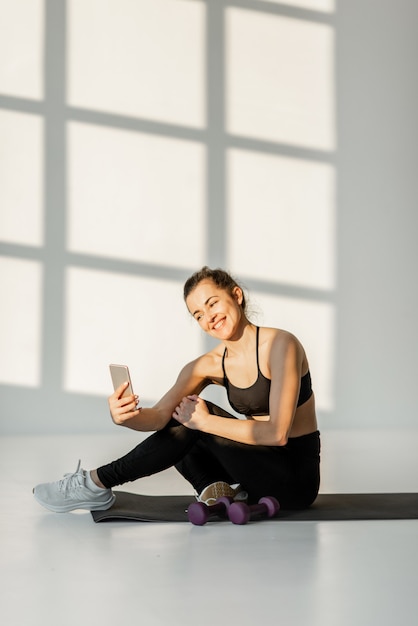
274, 450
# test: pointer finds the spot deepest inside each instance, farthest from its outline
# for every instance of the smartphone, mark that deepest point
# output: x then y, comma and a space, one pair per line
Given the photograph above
120, 374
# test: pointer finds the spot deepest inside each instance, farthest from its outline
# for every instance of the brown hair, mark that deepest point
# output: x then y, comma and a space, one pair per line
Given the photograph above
221, 278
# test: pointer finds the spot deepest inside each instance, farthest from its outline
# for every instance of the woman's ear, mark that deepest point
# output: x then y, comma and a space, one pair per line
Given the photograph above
237, 294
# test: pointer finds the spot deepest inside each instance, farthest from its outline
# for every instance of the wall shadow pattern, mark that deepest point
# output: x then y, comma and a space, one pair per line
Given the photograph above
35, 406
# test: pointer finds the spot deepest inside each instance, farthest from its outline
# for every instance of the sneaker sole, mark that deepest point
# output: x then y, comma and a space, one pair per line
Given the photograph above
88, 506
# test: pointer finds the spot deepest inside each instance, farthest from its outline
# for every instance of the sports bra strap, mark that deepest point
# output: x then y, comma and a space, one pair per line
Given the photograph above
223, 364
256, 348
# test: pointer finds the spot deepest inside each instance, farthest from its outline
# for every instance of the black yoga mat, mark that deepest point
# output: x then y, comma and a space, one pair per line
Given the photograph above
339, 506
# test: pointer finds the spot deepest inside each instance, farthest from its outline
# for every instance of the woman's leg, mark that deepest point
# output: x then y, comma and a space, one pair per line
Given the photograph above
290, 473
79, 490
158, 452
201, 468
171, 446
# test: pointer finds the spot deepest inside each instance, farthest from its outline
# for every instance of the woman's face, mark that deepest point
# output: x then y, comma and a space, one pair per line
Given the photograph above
217, 312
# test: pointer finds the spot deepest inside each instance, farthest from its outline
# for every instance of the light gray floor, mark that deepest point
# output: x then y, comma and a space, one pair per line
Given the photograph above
64, 569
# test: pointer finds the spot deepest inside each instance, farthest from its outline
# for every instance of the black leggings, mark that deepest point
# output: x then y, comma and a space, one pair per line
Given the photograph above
290, 472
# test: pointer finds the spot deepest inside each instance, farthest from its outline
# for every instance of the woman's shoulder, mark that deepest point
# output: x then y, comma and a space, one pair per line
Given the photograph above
278, 338
209, 365
268, 333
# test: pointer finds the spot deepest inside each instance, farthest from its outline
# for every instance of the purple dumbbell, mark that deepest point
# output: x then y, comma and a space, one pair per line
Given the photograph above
240, 513
199, 513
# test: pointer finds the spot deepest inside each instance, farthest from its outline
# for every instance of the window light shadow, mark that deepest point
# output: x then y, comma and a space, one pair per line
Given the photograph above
153, 68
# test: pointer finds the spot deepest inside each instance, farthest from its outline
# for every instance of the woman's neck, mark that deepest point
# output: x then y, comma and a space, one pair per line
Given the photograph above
243, 339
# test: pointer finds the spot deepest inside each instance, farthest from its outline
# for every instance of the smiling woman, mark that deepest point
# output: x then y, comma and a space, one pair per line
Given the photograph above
211, 291
273, 450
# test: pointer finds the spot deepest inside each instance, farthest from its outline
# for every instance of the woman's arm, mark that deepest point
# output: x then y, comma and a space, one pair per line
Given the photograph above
191, 380
286, 359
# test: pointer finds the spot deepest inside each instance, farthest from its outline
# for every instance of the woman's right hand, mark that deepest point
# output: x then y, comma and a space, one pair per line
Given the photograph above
123, 409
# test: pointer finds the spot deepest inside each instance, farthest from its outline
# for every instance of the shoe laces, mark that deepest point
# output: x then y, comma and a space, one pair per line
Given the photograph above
72, 480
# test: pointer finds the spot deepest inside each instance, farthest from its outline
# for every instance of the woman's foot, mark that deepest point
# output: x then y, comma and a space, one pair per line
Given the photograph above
212, 492
74, 491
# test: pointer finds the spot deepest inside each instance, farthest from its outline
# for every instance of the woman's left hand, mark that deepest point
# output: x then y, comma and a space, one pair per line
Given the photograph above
192, 412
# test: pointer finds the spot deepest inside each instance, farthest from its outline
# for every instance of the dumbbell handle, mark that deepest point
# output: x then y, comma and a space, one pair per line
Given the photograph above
199, 513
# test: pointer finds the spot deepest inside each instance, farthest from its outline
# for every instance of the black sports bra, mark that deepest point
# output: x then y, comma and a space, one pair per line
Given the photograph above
254, 400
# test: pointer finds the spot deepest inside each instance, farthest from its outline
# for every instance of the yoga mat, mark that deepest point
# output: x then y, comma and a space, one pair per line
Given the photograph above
331, 507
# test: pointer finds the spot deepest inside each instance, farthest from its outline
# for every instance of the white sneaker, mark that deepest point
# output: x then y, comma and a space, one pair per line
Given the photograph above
212, 492
72, 492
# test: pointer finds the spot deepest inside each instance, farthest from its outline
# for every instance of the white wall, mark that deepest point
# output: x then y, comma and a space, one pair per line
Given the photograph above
140, 140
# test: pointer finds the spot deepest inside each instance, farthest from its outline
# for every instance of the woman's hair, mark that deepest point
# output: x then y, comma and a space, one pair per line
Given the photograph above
221, 278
